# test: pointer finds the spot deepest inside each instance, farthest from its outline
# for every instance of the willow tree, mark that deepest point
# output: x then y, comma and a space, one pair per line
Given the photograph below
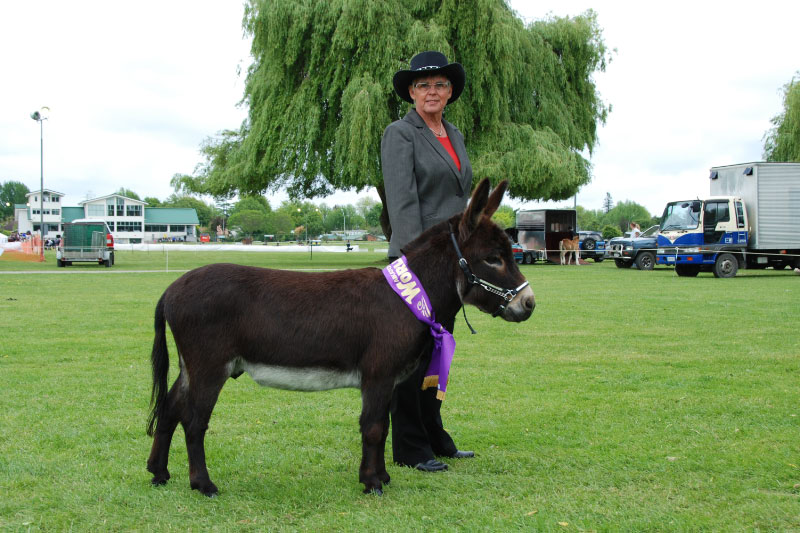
319, 95
782, 141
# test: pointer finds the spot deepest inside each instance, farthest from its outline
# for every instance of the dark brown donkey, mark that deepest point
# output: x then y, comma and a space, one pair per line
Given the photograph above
319, 331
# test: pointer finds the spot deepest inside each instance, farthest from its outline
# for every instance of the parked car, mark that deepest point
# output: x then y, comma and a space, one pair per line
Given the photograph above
639, 251
205, 237
592, 245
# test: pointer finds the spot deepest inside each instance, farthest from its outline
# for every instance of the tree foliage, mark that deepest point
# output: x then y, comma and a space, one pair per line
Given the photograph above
127, 193
11, 192
319, 94
782, 141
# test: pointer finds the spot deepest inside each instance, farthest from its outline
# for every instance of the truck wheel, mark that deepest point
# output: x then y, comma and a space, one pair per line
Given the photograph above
645, 261
107, 263
599, 259
689, 271
528, 258
588, 243
112, 258
59, 262
622, 264
726, 266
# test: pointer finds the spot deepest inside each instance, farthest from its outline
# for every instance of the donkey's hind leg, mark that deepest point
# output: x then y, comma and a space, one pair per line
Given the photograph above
165, 429
374, 421
202, 396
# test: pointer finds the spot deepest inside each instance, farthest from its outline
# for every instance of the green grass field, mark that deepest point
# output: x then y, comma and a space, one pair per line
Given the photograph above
630, 401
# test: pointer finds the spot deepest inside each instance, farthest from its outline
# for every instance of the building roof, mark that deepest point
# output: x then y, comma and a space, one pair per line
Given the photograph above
68, 214
46, 190
170, 215
112, 196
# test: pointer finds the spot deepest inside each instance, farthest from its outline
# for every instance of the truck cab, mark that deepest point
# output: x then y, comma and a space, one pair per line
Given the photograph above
704, 236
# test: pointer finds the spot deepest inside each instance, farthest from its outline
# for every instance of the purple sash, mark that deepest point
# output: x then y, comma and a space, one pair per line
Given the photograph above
406, 284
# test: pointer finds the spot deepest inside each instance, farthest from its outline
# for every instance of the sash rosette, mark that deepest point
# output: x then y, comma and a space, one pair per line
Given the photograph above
408, 287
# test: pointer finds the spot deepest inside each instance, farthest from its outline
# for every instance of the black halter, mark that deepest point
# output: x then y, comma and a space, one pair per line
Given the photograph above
506, 294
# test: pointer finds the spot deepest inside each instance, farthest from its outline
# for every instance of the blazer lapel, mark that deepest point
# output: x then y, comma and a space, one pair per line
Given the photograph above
428, 135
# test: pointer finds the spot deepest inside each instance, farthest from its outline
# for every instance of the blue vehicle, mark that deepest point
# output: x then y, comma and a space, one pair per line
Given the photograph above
750, 222
639, 251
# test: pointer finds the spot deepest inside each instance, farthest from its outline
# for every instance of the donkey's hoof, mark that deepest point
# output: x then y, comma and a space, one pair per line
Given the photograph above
375, 491
160, 479
208, 489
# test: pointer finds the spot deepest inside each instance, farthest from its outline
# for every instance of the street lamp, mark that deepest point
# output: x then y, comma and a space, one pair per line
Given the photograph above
39, 117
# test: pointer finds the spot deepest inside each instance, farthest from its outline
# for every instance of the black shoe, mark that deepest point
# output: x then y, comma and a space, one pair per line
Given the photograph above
431, 465
462, 455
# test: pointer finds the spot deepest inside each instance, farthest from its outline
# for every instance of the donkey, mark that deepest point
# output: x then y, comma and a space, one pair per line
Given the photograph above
570, 246
320, 331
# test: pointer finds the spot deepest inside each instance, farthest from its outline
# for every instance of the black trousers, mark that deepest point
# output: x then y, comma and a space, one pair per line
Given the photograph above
417, 431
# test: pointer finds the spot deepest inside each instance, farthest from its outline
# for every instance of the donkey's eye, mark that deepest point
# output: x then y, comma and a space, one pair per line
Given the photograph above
494, 261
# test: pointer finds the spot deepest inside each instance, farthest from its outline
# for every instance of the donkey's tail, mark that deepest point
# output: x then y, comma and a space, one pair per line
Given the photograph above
160, 360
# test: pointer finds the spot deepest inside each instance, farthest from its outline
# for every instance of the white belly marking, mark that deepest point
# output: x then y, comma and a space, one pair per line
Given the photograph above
301, 379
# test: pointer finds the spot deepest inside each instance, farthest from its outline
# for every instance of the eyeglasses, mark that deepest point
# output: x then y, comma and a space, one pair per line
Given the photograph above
439, 85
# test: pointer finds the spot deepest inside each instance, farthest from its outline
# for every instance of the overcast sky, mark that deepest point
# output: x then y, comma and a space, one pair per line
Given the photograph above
134, 88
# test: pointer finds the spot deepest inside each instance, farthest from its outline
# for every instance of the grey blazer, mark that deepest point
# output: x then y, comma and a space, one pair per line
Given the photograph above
423, 185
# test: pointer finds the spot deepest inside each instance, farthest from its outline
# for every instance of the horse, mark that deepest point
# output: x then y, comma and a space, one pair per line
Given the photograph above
319, 331
567, 246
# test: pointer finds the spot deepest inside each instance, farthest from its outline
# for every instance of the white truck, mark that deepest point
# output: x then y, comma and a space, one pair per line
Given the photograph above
751, 220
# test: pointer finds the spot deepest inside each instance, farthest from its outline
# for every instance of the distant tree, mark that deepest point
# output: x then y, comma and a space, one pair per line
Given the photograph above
128, 193
365, 204
609, 232
250, 221
248, 203
608, 203
204, 211
373, 218
320, 95
505, 217
589, 219
11, 192
626, 212
782, 142
152, 201
279, 224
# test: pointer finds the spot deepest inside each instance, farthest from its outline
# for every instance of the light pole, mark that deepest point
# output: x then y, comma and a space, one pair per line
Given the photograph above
38, 117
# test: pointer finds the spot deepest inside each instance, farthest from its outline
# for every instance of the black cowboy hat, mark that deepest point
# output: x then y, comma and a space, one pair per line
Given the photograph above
426, 63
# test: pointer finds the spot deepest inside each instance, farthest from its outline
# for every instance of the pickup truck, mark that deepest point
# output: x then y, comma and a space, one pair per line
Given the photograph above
639, 251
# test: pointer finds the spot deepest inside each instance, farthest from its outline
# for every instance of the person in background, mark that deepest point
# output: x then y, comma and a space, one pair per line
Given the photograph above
635, 229
427, 177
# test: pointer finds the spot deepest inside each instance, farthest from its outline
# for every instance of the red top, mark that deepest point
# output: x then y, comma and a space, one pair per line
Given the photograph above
449, 147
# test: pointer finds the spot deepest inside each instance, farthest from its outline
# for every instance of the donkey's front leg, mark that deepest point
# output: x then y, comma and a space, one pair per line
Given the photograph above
374, 421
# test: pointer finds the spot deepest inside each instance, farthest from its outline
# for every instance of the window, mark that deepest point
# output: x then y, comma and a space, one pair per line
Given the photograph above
156, 228
120, 207
56, 211
739, 215
96, 210
110, 225
177, 227
127, 226
133, 210
34, 211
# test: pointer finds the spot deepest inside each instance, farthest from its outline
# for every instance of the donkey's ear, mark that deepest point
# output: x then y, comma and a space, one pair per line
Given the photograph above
495, 198
471, 217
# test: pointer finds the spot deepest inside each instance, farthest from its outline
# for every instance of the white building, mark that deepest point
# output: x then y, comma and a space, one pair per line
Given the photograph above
29, 215
130, 220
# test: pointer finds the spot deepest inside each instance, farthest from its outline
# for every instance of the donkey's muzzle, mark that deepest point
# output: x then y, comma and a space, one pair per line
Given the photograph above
521, 307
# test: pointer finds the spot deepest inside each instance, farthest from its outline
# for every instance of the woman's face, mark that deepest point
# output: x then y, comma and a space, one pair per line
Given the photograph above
427, 97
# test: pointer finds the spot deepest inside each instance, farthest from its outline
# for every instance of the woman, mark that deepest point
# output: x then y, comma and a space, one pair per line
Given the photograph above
427, 177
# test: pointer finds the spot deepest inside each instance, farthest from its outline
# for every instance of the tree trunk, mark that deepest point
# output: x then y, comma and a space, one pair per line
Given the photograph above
386, 226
